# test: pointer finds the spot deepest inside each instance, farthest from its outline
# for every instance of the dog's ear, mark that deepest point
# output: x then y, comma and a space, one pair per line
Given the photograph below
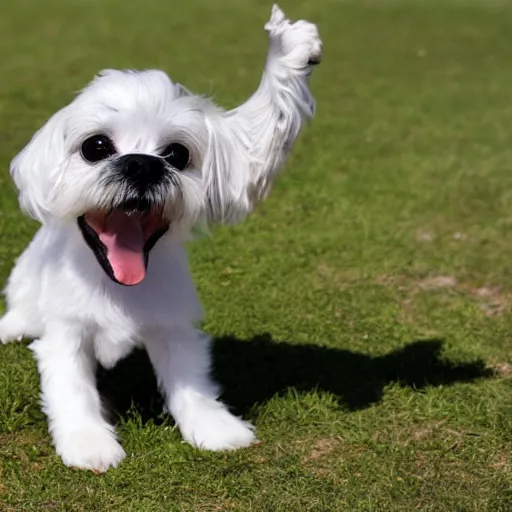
35, 170
226, 174
237, 178
181, 90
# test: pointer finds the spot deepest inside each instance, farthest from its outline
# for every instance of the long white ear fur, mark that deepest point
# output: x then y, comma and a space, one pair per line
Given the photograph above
35, 169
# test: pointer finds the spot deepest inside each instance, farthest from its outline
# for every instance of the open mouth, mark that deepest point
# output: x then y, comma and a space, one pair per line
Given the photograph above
121, 240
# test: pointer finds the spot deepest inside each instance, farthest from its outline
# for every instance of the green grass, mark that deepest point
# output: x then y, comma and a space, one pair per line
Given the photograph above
361, 316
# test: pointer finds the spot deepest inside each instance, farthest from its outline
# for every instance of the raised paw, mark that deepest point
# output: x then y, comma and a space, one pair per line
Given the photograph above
297, 44
93, 448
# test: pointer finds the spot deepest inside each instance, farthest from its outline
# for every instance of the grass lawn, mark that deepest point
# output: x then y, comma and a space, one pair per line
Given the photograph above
361, 317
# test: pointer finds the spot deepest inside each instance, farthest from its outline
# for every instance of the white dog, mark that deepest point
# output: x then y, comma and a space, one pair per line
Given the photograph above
118, 178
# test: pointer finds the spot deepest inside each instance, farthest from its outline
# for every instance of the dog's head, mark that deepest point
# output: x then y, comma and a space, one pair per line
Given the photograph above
133, 158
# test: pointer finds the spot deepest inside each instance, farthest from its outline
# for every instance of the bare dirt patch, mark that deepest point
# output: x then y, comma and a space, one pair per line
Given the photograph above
425, 236
435, 282
426, 430
503, 369
324, 447
492, 300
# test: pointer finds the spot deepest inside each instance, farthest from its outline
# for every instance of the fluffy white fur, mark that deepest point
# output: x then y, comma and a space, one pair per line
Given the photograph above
60, 296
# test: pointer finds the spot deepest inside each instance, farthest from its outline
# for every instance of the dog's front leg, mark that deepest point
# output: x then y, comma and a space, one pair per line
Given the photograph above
268, 124
249, 145
181, 358
71, 401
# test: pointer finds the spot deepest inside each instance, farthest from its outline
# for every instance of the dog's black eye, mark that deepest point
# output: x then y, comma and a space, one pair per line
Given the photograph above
97, 148
176, 155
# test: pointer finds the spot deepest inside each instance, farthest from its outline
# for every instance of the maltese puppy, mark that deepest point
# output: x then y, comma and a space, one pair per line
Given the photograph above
118, 179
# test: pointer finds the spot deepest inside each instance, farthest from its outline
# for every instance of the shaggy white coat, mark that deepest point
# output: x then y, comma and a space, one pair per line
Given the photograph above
60, 296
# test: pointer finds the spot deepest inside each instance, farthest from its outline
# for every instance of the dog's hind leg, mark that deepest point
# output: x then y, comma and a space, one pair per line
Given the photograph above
14, 327
22, 318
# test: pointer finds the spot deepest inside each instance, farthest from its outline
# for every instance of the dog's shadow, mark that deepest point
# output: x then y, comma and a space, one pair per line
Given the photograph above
253, 371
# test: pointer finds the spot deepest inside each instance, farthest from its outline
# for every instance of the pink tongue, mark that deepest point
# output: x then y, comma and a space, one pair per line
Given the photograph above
124, 239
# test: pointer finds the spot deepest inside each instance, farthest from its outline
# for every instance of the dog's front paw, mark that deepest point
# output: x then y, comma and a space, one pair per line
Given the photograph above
297, 44
93, 448
214, 428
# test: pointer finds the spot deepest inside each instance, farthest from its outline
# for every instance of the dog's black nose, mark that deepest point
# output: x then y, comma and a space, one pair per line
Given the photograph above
142, 171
